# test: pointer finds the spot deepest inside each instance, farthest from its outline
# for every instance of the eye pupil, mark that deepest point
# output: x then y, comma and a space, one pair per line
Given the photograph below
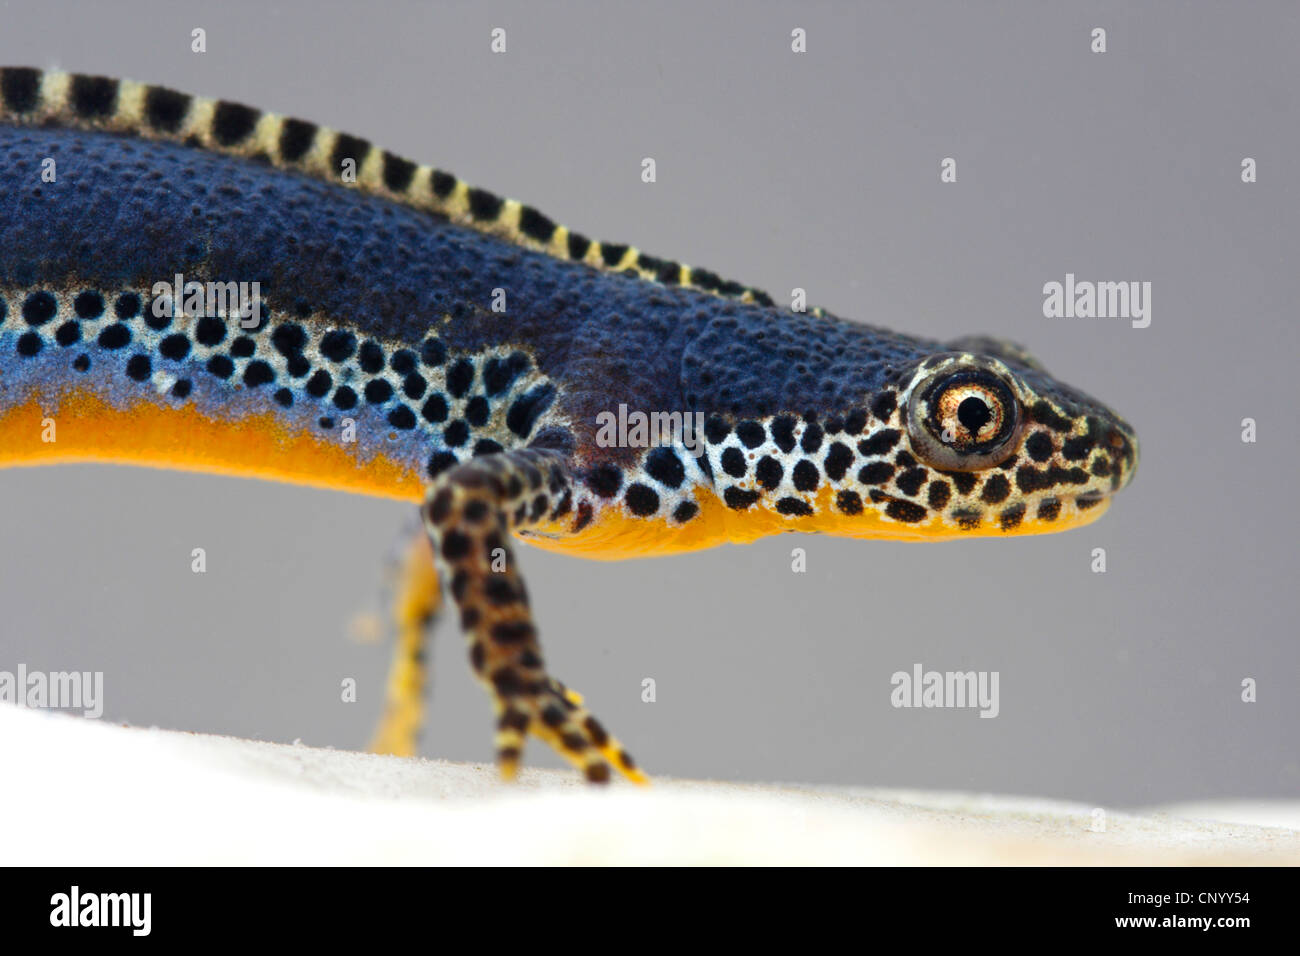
974, 414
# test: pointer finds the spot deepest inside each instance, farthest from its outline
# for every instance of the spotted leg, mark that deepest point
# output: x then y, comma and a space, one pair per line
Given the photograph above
416, 596
470, 513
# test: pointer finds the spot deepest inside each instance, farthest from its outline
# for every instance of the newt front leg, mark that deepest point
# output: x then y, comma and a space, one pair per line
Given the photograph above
470, 512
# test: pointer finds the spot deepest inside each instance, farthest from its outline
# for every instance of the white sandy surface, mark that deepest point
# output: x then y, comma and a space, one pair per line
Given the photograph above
83, 792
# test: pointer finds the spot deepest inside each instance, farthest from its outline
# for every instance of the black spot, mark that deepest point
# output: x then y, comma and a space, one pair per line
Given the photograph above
1032, 479
477, 411
904, 459
69, 333
612, 253
139, 367
669, 273
283, 397
939, 494
349, 147
905, 511
641, 500
529, 407
716, 430
221, 366
484, 205
288, 339
967, 519
455, 544
402, 417
398, 172
812, 438
378, 391
499, 374
838, 459
704, 279
769, 472
435, 409
876, 473
783, 433
320, 383
578, 245
258, 373
402, 361
1011, 517
413, 386
751, 434
242, 347
442, 183
439, 462
910, 481
20, 87
209, 331
1086, 501
1077, 449
651, 264
127, 305
806, 476
296, 138
884, 405
855, 422
460, 377
93, 97
513, 632
1049, 509
733, 462
739, 499
605, 480
88, 305
996, 489
456, 433
1039, 446
182, 388
165, 109
338, 345
115, 336
1044, 414
29, 343
82, 362
232, 123
880, 442
371, 357
964, 480
663, 465
345, 399
534, 225
849, 502
433, 353
298, 366
685, 511
793, 506
39, 308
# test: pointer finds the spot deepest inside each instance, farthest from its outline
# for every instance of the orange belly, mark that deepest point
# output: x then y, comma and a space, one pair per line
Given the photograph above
78, 425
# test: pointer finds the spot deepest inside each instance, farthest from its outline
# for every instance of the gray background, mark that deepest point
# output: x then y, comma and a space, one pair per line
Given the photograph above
820, 171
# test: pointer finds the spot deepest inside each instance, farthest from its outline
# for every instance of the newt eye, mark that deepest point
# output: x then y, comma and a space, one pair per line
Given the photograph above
963, 419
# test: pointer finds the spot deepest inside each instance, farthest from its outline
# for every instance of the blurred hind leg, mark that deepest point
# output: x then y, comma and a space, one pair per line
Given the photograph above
416, 597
